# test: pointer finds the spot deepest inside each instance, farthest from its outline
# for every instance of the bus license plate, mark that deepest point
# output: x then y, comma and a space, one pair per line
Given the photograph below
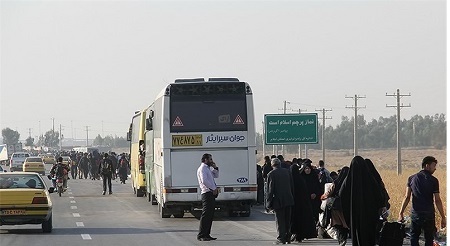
13, 212
187, 140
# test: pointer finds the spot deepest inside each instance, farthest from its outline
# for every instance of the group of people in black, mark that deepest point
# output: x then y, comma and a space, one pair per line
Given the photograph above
310, 201
95, 165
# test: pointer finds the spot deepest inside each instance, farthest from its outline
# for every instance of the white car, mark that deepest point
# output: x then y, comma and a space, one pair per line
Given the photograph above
17, 160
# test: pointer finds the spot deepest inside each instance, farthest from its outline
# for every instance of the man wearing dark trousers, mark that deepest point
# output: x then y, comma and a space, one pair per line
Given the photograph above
206, 174
280, 199
106, 170
424, 188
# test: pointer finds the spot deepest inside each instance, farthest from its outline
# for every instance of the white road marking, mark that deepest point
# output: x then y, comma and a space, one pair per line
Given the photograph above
71, 197
70, 193
76, 215
80, 224
86, 236
73, 207
73, 202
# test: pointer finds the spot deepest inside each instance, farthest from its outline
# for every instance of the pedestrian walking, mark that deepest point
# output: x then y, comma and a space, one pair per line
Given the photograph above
280, 199
423, 187
206, 174
106, 171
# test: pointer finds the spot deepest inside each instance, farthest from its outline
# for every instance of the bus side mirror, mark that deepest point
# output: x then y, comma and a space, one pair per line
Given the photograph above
128, 136
148, 124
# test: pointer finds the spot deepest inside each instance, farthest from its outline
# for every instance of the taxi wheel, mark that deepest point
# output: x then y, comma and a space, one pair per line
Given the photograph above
47, 226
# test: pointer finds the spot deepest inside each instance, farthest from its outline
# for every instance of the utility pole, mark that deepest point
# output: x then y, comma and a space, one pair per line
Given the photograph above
29, 132
355, 123
323, 129
103, 135
60, 137
263, 139
300, 145
284, 112
53, 130
87, 136
398, 106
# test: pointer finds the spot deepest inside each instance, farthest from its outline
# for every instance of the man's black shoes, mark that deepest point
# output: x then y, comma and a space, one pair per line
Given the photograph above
206, 238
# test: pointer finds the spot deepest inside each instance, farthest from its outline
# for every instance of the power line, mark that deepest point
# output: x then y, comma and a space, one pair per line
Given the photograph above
398, 106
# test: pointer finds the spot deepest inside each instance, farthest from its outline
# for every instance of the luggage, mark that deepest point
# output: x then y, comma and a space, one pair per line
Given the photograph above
392, 234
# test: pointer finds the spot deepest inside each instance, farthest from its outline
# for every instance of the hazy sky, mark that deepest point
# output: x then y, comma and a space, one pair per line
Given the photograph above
84, 62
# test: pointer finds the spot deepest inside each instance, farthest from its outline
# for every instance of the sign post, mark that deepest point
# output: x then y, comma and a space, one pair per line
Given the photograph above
291, 128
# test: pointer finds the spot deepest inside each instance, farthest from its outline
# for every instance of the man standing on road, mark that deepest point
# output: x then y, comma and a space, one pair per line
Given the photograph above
423, 187
206, 174
280, 199
106, 170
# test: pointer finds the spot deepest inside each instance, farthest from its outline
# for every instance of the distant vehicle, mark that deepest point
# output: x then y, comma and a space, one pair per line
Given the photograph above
85, 149
188, 119
24, 199
17, 160
48, 158
6, 150
34, 164
66, 160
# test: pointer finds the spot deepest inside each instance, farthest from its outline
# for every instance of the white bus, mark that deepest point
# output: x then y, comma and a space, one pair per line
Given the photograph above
189, 118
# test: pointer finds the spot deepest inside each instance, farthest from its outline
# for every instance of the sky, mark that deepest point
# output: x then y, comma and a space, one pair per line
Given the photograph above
94, 63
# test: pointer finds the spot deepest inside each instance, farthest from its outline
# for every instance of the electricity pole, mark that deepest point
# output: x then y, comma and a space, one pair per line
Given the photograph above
53, 130
398, 106
323, 129
355, 123
87, 136
60, 137
284, 112
300, 145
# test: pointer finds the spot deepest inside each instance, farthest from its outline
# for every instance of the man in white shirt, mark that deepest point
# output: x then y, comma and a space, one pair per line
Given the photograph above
206, 174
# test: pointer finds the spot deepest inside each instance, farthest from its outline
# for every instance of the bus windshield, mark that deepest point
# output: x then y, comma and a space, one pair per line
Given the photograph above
208, 113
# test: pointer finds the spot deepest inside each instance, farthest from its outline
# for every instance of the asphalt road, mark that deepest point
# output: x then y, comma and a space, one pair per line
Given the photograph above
83, 216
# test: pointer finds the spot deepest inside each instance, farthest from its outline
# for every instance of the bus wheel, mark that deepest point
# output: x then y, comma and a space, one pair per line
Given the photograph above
153, 200
180, 214
163, 212
140, 193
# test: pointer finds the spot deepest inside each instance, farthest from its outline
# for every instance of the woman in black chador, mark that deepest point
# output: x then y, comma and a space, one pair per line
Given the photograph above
314, 188
302, 220
362, 202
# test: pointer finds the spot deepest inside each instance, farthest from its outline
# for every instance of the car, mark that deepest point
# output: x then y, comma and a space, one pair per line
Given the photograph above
49, 159
34, 164
17, 160
66, 160
24, 199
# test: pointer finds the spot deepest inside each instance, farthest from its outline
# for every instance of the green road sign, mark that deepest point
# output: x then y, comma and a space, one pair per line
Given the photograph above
290, 128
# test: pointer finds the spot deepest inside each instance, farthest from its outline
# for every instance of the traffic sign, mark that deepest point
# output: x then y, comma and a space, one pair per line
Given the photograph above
290, 128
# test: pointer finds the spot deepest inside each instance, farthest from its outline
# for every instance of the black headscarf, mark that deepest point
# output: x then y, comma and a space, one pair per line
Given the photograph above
361, 200
376, 175
338, 182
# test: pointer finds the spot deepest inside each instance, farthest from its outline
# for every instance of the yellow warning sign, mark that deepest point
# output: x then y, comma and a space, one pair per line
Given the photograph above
187, 140
238, 120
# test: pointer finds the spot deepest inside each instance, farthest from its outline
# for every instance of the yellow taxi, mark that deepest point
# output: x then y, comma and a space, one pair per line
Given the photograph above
24, 199
49, 159
34, 164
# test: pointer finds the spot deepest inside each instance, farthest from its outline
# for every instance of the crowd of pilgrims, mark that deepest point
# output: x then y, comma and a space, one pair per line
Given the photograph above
86, 165
352, 201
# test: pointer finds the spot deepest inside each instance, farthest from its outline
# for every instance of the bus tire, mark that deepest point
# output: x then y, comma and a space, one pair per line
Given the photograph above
153, 199
180, 214
140, 193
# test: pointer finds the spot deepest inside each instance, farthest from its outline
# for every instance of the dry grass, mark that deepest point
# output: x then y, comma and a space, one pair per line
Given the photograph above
386, 163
